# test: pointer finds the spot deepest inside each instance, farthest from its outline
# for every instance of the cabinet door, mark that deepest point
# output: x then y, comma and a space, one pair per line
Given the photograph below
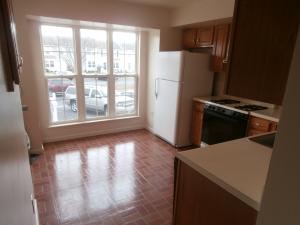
189, 38
198, 201
259, 126
262, 47
9, 44
273, 126
197, 123
205, 37
221, 42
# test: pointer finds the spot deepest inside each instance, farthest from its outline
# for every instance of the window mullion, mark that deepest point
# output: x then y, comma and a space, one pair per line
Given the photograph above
137, 94
79, 77
111, 77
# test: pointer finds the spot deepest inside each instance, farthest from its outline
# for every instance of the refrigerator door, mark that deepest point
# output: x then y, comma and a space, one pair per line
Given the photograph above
198, 81
170, 65
166, 107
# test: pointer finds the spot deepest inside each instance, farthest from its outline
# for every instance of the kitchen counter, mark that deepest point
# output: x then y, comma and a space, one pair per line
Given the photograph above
240, 167
272, 113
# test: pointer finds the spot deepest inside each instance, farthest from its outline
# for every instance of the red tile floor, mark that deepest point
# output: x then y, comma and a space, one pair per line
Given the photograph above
115, 179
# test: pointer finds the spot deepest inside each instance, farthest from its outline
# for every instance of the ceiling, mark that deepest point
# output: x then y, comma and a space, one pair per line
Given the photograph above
163, 3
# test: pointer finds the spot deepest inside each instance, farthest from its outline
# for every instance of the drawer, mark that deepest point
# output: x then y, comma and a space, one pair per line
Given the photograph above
252, 132
259, 124
273, 126
199, 106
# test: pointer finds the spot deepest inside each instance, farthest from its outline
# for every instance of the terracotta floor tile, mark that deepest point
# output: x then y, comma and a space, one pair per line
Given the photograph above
115, 179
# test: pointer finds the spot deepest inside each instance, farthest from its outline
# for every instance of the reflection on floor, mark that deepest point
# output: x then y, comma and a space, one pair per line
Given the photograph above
117, 179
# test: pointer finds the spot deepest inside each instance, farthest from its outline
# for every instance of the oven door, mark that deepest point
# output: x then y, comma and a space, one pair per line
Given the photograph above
218, 127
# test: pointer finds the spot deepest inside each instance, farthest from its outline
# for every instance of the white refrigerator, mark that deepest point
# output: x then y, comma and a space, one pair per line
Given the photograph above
181, 76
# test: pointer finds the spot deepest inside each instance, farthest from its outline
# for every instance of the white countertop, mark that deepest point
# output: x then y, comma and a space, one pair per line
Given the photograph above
272, 113
239, 166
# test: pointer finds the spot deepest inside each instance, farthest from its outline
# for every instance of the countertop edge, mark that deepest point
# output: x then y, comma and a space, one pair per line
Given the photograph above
257, 114
238, 194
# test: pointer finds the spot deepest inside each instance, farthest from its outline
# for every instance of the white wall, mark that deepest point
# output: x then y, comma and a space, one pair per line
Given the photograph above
153, 50
281, 199
201, 11
103, 11
33, 86
16, 184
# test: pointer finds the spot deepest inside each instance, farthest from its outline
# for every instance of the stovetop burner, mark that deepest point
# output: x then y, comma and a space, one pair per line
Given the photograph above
250, 107
226, 101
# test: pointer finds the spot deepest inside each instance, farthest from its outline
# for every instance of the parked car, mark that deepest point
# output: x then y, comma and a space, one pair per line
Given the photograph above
96, 100
59, 85
129, 93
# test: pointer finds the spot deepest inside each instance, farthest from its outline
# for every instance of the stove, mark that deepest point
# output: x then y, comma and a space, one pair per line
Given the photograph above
250, 108
225, 101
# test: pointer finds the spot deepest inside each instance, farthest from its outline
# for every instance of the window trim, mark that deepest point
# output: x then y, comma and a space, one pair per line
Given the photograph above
79, 76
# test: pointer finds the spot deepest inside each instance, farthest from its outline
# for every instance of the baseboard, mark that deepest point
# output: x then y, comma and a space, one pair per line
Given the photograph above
150, 129
36, 151
93, 133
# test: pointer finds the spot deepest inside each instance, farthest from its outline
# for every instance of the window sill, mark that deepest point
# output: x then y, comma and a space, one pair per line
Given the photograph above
92, 121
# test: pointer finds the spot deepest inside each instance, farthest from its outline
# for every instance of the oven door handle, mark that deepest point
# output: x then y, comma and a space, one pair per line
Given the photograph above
225, 116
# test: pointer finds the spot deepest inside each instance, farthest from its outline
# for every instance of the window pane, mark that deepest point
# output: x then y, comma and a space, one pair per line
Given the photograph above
51, 62
93, 51
125, 95
62, 99
130, 63
58, 49
67, 63
96, 98
124, 52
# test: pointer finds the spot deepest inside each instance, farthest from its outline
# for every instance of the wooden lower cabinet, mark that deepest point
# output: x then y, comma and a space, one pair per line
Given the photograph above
259, 126
273, 126
198, 201
197, 123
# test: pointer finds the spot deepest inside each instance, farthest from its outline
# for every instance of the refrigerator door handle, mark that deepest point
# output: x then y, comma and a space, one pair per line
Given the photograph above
156, 88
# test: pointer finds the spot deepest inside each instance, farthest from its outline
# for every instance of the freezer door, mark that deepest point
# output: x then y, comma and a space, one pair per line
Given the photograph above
170, 65
166, 109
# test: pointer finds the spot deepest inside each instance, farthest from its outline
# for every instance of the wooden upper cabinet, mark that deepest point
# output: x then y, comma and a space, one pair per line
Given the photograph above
262, 48
189, 38
205, 36
198, 37
221, 48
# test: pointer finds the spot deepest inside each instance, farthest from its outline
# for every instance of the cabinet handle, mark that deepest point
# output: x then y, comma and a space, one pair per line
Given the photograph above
20, 62
257, 124
225, 61
156, 87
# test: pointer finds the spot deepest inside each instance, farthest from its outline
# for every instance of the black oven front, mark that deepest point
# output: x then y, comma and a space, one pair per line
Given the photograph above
220, 124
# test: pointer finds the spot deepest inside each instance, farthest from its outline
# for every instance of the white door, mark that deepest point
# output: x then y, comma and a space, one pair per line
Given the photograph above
166, 106
170, 65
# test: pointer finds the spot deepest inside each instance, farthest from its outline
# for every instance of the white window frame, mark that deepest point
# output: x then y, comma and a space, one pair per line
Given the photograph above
135, 75
48, 77
79, 77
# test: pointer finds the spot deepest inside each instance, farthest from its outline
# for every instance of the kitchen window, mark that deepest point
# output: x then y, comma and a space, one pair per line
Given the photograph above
90, 74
